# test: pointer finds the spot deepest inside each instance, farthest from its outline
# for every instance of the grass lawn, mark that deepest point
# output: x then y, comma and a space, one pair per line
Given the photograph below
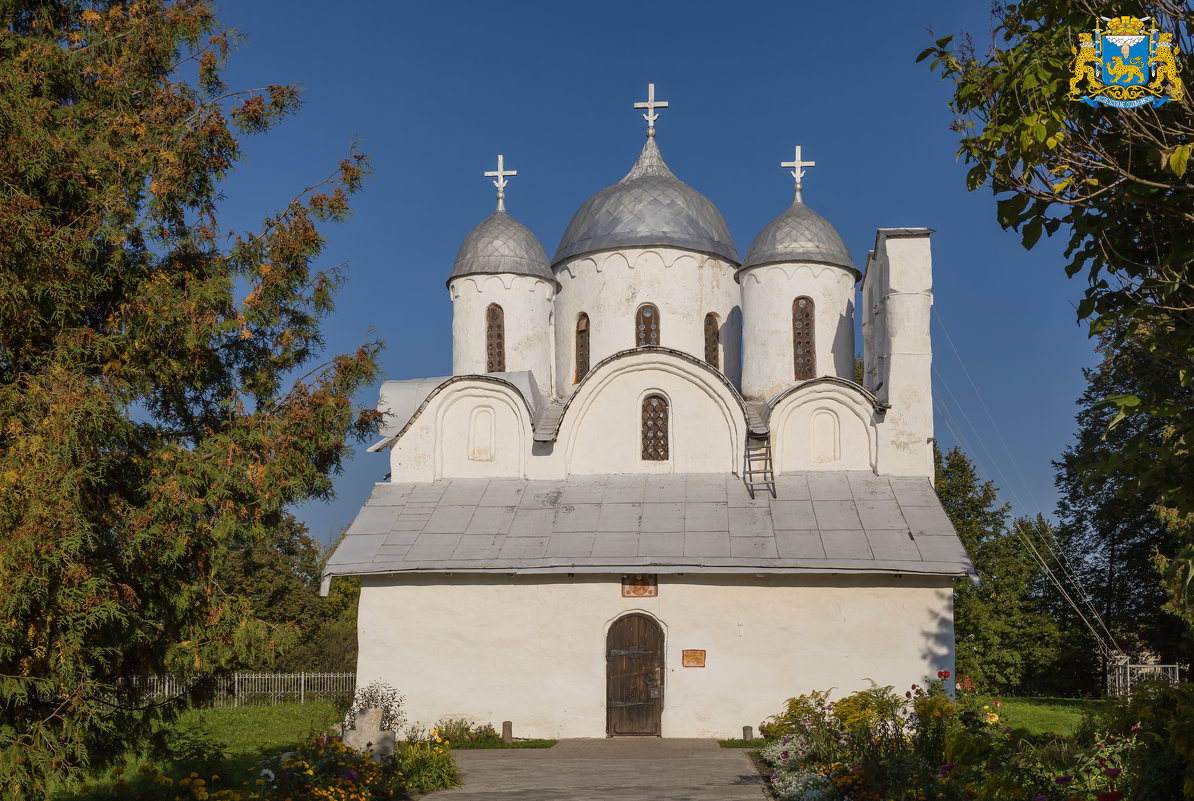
230, 741
1046, 715
467, 746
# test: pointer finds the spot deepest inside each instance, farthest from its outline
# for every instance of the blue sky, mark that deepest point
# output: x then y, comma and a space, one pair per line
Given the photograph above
434, 91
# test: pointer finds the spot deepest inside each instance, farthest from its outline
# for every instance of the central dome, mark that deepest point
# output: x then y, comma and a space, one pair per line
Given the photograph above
650, 206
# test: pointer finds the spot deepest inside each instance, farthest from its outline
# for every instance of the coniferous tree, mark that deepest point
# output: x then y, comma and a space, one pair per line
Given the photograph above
150, 420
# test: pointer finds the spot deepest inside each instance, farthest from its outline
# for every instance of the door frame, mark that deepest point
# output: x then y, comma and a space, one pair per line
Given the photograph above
609, 625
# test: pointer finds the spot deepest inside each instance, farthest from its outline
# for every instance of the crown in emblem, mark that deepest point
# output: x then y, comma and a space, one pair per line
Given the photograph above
1125, 26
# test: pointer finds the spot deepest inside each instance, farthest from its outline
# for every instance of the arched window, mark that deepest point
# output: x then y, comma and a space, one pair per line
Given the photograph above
803, 338
712, 340
582, 346
495, 339
655, 428
646, 325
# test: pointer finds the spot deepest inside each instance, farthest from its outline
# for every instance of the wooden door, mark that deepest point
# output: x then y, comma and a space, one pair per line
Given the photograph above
634, 677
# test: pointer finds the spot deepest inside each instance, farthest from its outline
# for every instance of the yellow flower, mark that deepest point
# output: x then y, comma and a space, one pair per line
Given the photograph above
992, 717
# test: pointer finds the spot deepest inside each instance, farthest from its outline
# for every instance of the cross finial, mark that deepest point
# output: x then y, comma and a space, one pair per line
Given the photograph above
798, 170
650, 105
500, 173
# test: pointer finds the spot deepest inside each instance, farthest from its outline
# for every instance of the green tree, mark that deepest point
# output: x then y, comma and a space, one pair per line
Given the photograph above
278, 579
149, 418
1111, 533
1116, 182
1004, 636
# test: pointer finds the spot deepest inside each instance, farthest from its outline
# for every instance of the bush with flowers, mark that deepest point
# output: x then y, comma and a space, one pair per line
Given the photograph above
468, 734
931, 745
320, 769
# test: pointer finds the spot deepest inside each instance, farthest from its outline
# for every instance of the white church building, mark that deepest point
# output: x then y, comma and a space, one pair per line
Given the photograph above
651, 499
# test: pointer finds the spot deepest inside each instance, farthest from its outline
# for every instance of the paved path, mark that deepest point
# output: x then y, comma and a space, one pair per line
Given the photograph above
625, 768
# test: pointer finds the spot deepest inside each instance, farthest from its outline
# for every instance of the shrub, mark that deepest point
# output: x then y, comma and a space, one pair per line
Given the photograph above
426, 764
377, 695
462, 733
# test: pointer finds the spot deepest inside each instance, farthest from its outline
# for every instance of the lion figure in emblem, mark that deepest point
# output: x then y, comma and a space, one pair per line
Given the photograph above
1086, 64
1120, 70
1165, 68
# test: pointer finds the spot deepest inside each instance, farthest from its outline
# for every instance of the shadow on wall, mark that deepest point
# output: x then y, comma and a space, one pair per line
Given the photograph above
939, 644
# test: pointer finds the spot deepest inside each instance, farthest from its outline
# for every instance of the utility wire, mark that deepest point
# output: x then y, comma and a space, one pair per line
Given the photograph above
1067, 572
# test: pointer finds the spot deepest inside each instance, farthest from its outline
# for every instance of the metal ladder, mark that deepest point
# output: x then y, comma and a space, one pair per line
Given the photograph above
756, 469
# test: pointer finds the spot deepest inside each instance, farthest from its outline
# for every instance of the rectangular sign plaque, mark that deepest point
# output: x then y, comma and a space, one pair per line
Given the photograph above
645, 586
692, 658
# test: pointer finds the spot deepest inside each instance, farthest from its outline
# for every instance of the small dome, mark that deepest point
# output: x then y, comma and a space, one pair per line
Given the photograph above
501, 245
650, 206
799, 234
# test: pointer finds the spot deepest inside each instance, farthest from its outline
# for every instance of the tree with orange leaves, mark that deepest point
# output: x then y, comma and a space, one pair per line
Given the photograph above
149, 420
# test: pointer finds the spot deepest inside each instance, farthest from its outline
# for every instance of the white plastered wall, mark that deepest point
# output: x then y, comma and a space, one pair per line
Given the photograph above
527, 305
768, 365
469, 429
611, 286
531, 649
898, 348
823, 427
601, 430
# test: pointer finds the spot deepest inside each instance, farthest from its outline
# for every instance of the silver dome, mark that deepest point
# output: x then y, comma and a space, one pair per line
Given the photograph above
501, 245
799, 234
650, 206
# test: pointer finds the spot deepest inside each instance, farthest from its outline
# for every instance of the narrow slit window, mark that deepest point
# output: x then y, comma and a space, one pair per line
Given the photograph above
655, 428
582, 346
646, 326
712, 340
495, 339
803, 338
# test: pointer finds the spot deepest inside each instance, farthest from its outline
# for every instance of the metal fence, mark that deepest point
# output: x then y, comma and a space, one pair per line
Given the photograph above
1122, 675
256, 689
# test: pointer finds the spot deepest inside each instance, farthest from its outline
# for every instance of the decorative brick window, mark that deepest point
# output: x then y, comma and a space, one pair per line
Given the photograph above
495, 339
582, 346
646, 326
655, 428
803, 338
712, 340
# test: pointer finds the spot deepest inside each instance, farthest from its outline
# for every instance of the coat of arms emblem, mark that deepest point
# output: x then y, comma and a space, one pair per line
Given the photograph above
1126, 65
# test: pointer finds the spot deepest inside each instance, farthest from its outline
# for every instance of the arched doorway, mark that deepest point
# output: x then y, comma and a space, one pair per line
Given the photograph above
634, 676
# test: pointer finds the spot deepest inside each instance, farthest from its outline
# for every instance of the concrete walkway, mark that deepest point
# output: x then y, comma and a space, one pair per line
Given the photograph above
624, 768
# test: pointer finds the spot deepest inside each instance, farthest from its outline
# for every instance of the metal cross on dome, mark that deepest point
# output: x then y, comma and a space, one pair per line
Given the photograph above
500, 173
798, 170
650, 105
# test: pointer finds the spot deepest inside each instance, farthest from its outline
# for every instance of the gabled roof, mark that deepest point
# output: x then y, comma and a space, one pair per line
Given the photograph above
821, 522
402, 401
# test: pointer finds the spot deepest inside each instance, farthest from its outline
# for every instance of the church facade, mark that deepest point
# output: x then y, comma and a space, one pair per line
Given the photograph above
652, 499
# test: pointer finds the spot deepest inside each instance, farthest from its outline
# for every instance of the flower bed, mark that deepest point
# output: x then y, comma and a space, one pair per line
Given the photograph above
321, 769
933, 745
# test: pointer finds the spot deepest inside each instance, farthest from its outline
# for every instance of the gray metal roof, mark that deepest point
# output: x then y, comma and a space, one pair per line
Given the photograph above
838, 522
650, 206
501, 245
799, 234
